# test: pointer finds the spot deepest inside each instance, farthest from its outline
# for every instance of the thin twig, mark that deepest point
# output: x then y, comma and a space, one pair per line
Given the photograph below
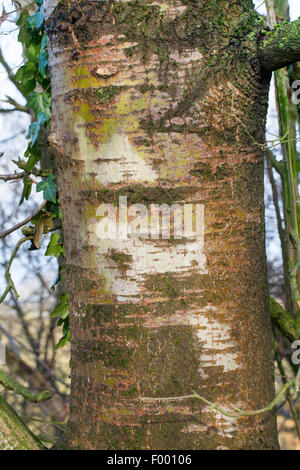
239, 412
10, 284
11, 384
18, 106
14, 176
24, 222
10, 73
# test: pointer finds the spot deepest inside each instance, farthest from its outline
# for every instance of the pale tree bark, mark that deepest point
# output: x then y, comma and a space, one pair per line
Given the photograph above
164, 102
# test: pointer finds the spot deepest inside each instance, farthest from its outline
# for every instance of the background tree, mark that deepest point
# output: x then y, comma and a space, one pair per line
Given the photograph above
286, 184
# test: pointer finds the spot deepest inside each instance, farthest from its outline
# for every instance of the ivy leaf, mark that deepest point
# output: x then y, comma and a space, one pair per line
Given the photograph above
19, 73
33, 154
62, 309
43, 63
64, 322
22, 35
26, 72
66, 331
38, 234
32, 51
44, 42
43, 58
49, 188
40, 103
34, 128
48, 222
26, 189
36, 21
20, 21
61, 268
33, 131
56, 210
28, 86
63, 341
54, 247
29, 70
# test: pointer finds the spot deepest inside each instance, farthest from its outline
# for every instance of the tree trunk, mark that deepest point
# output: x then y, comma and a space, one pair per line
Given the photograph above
163, 102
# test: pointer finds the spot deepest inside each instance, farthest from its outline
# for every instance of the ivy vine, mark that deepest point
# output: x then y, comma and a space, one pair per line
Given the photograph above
33, 81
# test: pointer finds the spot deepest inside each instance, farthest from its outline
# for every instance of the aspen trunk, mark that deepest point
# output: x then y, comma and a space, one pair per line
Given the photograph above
163, 102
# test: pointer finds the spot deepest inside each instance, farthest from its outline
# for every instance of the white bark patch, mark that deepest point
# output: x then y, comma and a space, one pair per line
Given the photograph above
194, 428
147, 257
120, 162
224, 425
187, 58
217, 346
213, 336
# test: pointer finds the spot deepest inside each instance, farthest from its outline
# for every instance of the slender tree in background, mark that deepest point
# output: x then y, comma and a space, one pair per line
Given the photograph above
165, 102
278, 11
287, 321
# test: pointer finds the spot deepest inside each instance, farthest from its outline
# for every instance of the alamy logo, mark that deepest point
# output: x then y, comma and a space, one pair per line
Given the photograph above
296, 354
156, 221
296, 92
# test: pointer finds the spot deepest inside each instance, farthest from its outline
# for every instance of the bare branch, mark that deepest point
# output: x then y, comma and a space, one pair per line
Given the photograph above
10, 73
24, 366
17, 106
34, 171
4, 111
14, 176
10, 284
11, 384
24, 222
